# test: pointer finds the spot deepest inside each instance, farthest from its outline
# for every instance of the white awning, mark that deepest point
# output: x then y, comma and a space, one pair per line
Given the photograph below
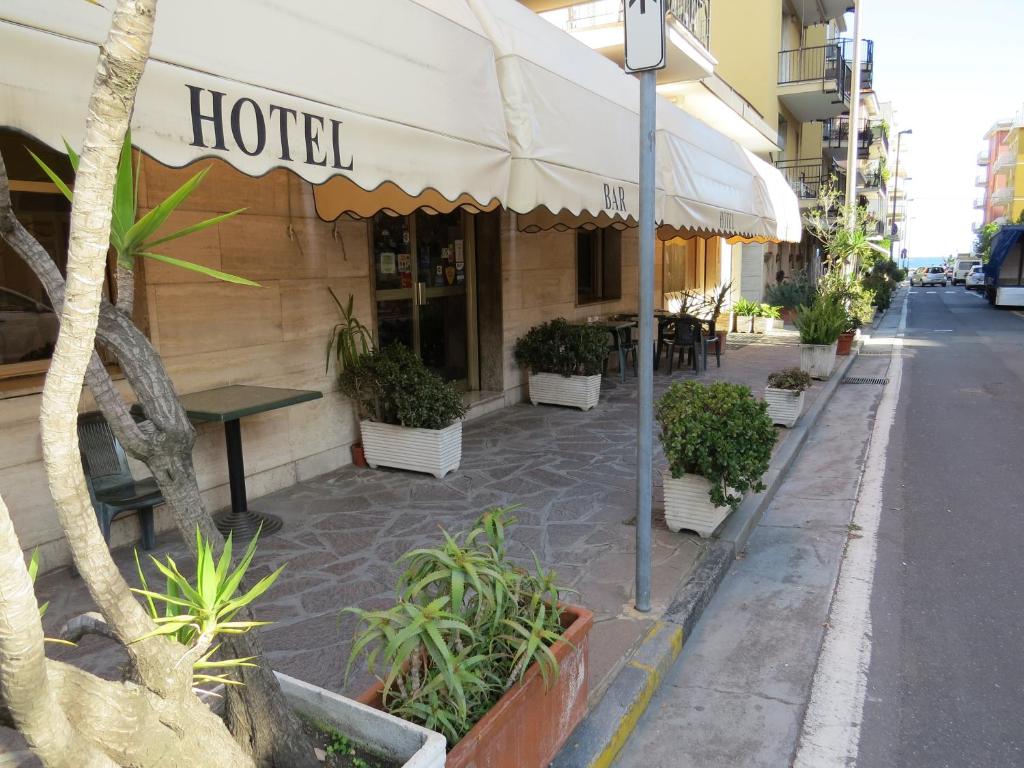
396, 95
571, 116
785, 223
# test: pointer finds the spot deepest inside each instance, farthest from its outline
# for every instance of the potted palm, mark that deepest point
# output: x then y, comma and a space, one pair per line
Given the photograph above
764, 320
410, 417
718, 441
745, 311
481, 649
349, 341
785, 395
565, 362
714, 304
820, 325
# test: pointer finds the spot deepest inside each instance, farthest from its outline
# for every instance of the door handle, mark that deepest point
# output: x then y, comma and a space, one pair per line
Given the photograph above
421, 294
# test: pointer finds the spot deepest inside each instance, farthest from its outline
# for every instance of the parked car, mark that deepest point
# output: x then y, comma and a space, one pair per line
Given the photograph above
28, 328
917, 275
975, 279
963, 269
933, 276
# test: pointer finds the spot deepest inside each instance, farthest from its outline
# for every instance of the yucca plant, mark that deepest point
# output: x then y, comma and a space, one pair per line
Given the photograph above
194, 612
350, 339
467, 625
131, 238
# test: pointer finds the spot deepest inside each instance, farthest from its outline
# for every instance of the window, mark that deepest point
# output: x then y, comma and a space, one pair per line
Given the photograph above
598, 265
783, 131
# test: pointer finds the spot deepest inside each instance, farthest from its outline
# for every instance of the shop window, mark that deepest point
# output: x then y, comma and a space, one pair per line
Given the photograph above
598, 265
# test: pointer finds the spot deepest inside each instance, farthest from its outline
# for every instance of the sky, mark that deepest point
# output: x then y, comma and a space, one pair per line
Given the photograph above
951, 69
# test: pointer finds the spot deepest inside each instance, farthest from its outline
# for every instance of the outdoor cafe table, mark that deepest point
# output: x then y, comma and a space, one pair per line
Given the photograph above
620, 330
228, 405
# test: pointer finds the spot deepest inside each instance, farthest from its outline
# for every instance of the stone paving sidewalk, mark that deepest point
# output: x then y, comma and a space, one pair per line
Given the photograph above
571, 472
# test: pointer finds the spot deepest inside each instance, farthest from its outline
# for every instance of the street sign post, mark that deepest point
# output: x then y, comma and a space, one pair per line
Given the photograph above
645, 53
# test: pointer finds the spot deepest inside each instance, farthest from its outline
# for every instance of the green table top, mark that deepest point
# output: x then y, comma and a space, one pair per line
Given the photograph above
238, 400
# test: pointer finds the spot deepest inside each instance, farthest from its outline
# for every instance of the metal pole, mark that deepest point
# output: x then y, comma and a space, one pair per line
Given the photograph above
852, 126
645, 357
895, 182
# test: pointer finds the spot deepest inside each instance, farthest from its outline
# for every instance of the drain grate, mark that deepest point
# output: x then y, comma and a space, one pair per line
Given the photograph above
864, 380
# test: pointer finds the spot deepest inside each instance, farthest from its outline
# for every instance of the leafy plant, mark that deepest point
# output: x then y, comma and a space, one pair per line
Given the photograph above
350, 339
746, 308
467, 625
793, 379
560, 347
719, 431
684, 303
829, 222
790, 293
196, 611
822, 322
393, 386
768, 311
133, 239
714, 303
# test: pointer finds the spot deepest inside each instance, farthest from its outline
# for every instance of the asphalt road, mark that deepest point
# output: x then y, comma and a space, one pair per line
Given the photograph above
946, 681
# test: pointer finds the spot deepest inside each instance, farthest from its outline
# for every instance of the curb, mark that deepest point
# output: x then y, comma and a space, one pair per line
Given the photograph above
604, 731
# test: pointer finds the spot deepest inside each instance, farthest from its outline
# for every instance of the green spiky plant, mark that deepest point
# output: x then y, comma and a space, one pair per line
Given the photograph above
350, 339
133, 237
196, 611
467, 625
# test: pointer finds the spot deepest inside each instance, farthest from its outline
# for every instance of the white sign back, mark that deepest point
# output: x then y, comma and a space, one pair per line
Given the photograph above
645, 35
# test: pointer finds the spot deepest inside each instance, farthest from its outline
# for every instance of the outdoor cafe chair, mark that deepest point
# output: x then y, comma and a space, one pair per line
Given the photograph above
685, 337
111, 486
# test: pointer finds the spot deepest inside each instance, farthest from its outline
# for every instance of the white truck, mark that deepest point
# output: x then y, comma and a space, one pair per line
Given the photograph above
964, 265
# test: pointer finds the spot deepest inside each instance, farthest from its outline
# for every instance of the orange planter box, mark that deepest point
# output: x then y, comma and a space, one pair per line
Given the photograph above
529, 724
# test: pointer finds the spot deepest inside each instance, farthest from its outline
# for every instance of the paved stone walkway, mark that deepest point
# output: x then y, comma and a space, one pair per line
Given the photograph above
571, 472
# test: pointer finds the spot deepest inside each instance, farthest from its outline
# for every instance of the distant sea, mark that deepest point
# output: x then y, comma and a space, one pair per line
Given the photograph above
919, 261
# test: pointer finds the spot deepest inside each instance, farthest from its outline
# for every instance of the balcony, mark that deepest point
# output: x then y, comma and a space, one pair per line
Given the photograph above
874, 182
1002, 196
983, 157
814, 83
807, 176
979, 203
981, 180
867, 61
600, 25
879, 137
1004, 161
835, 136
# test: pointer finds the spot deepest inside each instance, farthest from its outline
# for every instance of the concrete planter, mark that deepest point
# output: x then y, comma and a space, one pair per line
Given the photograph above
818, 360
744, 324
845, 343
784, 405
581, 392
529, 724
764, 324
688, 506
434, 451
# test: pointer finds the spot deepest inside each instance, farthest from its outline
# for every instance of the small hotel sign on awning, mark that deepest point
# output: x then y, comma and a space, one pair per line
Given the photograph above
645, 35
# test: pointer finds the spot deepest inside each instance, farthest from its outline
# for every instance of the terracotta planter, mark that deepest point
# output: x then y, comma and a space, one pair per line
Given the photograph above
529, 724
744, 323
788, 315
358, 455
845, 342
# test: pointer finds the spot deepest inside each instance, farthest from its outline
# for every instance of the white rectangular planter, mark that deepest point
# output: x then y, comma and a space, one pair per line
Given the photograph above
764, 324
688, 506
434, 451
581, 392
784, 405
818, 360
744, 323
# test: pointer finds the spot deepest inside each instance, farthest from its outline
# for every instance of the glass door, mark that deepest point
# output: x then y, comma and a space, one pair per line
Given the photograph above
420, 274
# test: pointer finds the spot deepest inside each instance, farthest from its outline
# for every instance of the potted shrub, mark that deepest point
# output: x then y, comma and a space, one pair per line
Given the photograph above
565, 362
410, 417
714, 304
820, 325
718, 441
745, 311
790, 294
349, 341
488, 655
764, 320
785, 395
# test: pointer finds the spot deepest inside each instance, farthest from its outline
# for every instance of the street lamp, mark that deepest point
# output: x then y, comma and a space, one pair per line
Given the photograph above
895, 182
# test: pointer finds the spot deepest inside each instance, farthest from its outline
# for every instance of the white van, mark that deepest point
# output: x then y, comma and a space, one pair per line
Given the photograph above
963, 269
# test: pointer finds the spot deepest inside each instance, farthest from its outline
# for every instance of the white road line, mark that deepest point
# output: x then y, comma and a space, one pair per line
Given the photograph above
944, 330
830, 736
931, 291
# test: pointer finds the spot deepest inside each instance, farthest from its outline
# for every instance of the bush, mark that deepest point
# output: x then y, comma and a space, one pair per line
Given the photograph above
767, 310
466, 626
560, 347
822, 322
793, 379
392, 386
862, 308
791, 293
719, 431
881, 288
746, 308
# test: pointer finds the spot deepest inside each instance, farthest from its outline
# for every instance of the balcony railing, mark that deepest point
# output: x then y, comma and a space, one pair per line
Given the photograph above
1002, 195
979, 203
874, 180
981, 180
807, 176
693, 15
983, 157
821, 63
835, 133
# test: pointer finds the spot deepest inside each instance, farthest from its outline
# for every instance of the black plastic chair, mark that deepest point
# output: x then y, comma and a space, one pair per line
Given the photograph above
685, 337
713, 339
113, 489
